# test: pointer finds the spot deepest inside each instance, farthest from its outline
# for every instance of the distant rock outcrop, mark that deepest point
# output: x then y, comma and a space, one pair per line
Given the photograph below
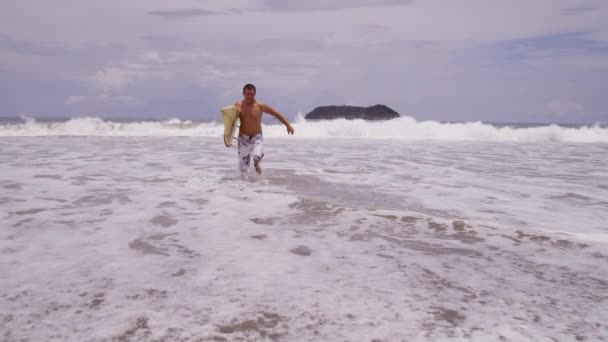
377, 112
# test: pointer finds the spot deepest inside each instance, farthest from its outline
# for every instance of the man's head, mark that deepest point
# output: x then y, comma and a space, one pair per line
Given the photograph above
249, 92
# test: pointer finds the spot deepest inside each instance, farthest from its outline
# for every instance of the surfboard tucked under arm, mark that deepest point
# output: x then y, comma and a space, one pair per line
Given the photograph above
230, 116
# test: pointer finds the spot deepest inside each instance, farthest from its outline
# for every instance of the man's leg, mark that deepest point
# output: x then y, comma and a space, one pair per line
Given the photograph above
244, 163
244, 154
257, 152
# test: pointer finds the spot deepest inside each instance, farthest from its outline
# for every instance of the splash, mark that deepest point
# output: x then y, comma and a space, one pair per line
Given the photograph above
403, 128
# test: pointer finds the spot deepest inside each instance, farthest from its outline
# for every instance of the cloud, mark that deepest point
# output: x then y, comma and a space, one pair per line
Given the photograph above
234, 10
32, 47
102, 99
185, 13
111, 79
580, 9
457, 62
324, 5
566, 42
573, 49
152, 57
277, 6
152, 81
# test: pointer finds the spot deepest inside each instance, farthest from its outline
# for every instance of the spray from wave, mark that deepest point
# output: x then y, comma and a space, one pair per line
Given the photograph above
403, 128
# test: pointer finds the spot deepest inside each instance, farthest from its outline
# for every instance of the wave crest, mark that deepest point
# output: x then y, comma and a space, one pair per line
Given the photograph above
403, 128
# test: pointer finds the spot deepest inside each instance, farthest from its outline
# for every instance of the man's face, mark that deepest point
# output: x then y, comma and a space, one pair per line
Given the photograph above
249, 95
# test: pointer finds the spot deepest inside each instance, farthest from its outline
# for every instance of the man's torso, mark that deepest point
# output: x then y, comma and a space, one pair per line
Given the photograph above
251, 118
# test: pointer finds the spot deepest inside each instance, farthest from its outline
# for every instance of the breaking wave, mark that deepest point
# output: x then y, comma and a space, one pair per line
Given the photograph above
403, 128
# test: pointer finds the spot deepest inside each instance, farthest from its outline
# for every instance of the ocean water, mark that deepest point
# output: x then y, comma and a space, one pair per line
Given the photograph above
356, 231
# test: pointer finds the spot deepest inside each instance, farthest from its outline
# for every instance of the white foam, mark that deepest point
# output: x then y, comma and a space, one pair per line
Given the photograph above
403, 128
91, 126
159, 239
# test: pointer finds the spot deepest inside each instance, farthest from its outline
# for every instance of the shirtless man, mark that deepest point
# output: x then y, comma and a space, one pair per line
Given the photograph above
250, 132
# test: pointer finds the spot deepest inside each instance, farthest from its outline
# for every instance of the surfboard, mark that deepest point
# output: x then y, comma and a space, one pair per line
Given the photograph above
230, 116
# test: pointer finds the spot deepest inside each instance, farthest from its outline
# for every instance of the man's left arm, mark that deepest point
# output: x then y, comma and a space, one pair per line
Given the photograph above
267, 109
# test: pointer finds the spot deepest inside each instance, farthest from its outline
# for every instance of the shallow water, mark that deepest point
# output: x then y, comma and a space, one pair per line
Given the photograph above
145, 238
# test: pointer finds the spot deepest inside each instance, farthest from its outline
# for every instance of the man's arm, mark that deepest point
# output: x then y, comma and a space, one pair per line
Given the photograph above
267, 109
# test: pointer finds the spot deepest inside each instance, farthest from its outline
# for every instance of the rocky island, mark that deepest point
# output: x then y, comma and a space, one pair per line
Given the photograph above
377, 112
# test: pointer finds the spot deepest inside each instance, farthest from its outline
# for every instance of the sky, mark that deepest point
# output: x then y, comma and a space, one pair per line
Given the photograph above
467, 60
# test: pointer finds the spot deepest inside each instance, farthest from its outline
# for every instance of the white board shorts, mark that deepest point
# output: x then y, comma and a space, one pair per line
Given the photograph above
250, 147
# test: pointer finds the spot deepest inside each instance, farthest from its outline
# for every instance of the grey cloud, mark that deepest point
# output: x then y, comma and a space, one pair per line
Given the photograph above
374, 27
24, 94
577, 10
185, 13
421, 44
56, 52
552, 45
415, 66
24, 46
165, 42
235, 11
188, 101
314, 5
288, 44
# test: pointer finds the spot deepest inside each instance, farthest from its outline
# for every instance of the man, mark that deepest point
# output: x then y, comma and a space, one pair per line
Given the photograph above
250, 132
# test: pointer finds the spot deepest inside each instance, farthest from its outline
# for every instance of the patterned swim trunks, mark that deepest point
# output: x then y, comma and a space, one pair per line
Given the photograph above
250, 147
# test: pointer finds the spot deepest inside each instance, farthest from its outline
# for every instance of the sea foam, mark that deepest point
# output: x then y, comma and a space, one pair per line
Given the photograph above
403, 128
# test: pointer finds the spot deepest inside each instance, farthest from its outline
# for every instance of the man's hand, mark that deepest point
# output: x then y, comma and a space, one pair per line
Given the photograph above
289, 129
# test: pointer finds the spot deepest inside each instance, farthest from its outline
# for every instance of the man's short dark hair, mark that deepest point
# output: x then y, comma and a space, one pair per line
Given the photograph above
249, 86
